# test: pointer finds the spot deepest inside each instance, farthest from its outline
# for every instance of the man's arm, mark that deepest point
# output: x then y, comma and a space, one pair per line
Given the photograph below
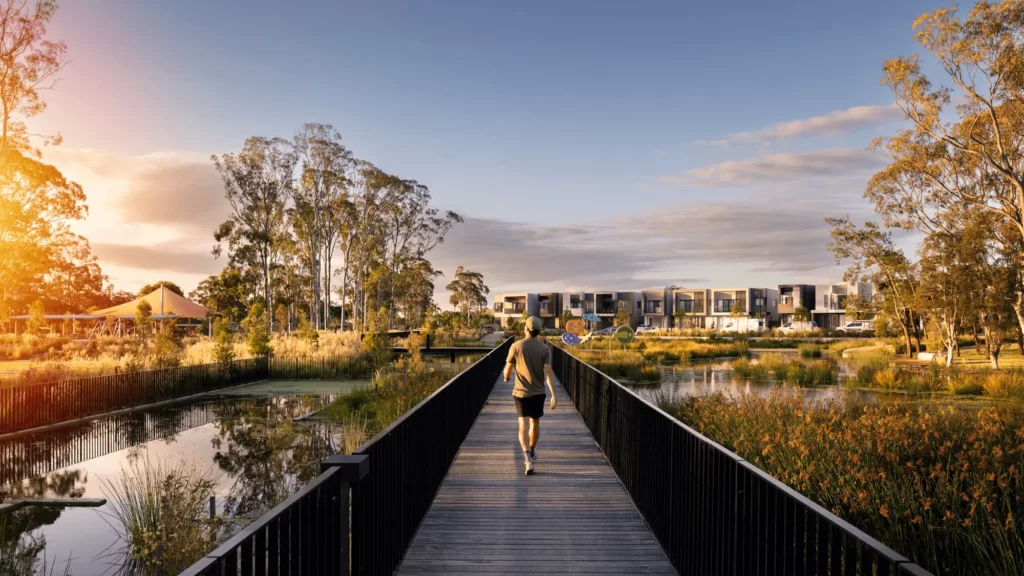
550, 378
510, 363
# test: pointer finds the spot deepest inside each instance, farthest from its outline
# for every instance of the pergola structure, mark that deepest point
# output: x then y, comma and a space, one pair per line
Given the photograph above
118, 320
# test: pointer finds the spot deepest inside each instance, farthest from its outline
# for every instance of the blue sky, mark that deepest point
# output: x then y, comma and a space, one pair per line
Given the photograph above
611, 130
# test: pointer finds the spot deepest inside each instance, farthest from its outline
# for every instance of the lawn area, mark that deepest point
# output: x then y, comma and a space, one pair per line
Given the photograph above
969, 358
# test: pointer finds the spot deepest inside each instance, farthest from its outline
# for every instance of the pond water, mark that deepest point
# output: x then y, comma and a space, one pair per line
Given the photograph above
713, 376
253, 438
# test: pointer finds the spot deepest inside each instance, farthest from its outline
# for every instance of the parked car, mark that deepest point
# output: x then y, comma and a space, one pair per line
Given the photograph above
645, 329
791, 327
858, 326
605, 331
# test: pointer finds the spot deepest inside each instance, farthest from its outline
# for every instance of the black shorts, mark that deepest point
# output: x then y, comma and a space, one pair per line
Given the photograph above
531, 406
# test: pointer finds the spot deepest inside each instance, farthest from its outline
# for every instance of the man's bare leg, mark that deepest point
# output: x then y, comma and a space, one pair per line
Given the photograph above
522, 434
525, 446
534, 432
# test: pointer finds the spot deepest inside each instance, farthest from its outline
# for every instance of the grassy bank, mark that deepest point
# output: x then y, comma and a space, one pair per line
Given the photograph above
876, 371
626, 365
50, 358
942, 486
393, 391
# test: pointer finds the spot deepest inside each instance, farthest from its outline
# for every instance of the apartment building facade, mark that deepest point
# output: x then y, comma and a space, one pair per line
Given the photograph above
656, 308
742, 309
512, 306
755, 308
793, 296
831, 302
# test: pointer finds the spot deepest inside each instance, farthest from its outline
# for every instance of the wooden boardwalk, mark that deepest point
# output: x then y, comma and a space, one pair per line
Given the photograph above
571, 517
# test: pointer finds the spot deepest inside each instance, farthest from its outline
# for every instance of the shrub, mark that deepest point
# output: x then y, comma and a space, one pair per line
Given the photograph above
1003, 384
809, 350
257, 334
962, 383
223, 339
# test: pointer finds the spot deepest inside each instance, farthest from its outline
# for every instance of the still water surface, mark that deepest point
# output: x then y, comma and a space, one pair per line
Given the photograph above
252, 437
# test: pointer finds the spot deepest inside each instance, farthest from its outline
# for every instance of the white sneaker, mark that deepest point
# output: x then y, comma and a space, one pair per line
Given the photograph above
529, 467
532, 453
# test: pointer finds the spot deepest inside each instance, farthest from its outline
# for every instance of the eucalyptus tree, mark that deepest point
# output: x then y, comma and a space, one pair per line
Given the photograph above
468, 290
29, 65
972, 154
323, 179
257, 183
874, 257
411, 229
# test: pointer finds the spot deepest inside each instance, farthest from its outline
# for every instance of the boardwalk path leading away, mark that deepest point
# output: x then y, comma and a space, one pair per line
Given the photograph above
571, 517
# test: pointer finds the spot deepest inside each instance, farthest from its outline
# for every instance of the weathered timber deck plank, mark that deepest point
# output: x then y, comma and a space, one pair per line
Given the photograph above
571, 517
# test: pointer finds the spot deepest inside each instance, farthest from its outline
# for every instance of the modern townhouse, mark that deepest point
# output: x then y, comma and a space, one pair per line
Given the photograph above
690, 307
511, 306
549, 307
578, 303
608, 303
793, 296
758, 307
830, 302
657, 308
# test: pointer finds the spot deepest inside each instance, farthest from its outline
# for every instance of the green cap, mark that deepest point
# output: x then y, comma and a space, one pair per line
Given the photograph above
534, 323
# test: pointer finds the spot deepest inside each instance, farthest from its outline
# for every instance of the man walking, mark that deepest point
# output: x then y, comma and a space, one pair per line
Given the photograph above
531, 360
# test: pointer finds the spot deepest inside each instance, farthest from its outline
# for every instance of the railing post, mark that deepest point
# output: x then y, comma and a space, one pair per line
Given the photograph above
352, 469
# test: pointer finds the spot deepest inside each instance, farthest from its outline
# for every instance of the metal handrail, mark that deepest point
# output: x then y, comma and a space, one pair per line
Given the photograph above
712, 511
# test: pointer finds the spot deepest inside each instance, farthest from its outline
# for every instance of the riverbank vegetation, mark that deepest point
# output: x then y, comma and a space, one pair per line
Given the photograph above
162, 515
808, 374
940, 485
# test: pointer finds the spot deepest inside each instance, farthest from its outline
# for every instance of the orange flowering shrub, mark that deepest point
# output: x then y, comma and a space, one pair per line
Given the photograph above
942, 486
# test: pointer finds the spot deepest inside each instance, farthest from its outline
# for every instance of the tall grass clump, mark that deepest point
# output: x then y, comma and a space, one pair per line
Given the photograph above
939, 485
868, 365
621, 364
756, 371
808, 350
161, 513
1004, 384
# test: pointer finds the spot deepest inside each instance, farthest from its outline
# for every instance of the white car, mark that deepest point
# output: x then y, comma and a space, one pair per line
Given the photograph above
790, 327
645, 329
859, 326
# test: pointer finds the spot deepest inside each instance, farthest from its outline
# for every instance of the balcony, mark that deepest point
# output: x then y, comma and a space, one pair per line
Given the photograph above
654, 308
514, 308
724, 306
547, 309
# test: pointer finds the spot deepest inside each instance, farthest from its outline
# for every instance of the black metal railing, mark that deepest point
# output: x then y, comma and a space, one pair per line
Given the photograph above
306, 534
712, 511
27, 406
392, 480
321, 368
408, 461
32, 405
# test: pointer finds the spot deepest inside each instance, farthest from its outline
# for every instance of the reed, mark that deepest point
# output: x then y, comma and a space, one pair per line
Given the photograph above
161, 513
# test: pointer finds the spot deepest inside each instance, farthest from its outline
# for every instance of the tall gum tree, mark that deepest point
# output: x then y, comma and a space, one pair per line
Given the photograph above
973, 153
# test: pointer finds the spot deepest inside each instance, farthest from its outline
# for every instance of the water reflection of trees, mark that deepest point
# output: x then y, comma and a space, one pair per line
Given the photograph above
20, 546
268, 453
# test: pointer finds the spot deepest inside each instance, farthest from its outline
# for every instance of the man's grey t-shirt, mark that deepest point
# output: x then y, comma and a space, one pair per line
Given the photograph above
529, 357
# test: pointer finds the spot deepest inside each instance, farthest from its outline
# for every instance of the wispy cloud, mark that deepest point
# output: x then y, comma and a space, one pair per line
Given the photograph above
837, 123
835, 162
767, 240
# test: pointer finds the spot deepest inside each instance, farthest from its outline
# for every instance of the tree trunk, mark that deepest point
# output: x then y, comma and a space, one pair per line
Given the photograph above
974, 334
916, 332
906, 338
327, 286
1020, 340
